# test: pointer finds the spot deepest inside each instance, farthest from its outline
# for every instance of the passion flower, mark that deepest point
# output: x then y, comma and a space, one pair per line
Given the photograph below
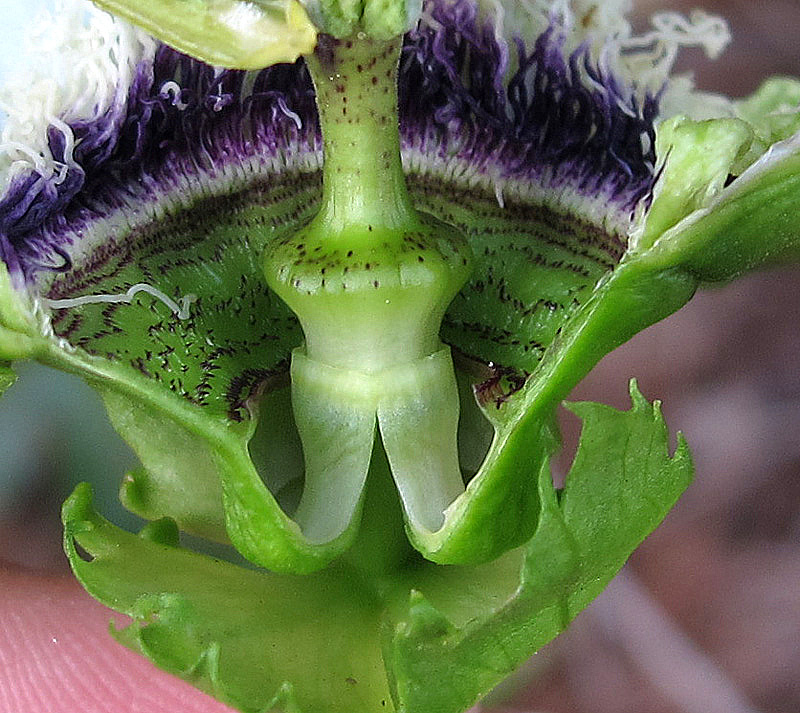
434, 224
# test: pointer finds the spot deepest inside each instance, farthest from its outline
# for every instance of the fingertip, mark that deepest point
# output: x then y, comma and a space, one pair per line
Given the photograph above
56, 655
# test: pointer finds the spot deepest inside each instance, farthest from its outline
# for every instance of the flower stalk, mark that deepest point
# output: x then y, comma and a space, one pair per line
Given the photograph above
369, 278
355, 82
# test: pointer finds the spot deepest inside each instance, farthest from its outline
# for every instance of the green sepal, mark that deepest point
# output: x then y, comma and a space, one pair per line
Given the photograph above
699, 157
621, 485
624, 303
753, 223
14, 313
253, 640
726, 202
498, 511
225, 33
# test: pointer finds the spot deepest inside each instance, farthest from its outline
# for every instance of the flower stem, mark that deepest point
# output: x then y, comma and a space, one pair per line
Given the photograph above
363, 180
369, 278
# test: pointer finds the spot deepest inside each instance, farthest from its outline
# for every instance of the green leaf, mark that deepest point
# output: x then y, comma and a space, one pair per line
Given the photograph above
254, 640
225, 33
621, 485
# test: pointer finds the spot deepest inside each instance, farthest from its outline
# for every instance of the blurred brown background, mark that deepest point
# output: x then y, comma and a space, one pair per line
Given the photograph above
706, 617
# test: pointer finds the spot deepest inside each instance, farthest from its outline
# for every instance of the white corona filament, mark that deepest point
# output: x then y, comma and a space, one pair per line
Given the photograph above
181, 310
80, 63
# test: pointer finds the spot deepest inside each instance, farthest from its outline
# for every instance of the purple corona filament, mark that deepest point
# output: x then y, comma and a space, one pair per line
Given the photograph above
557, 123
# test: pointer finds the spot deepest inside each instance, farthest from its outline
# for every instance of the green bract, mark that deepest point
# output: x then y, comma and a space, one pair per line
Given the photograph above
243, 34
445, 635
333, 306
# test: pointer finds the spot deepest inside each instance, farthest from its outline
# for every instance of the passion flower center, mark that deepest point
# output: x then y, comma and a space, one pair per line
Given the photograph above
369, 278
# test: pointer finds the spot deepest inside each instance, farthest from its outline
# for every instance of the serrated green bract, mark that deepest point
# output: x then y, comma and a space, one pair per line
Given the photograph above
416, 637
621, 485
253, 640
